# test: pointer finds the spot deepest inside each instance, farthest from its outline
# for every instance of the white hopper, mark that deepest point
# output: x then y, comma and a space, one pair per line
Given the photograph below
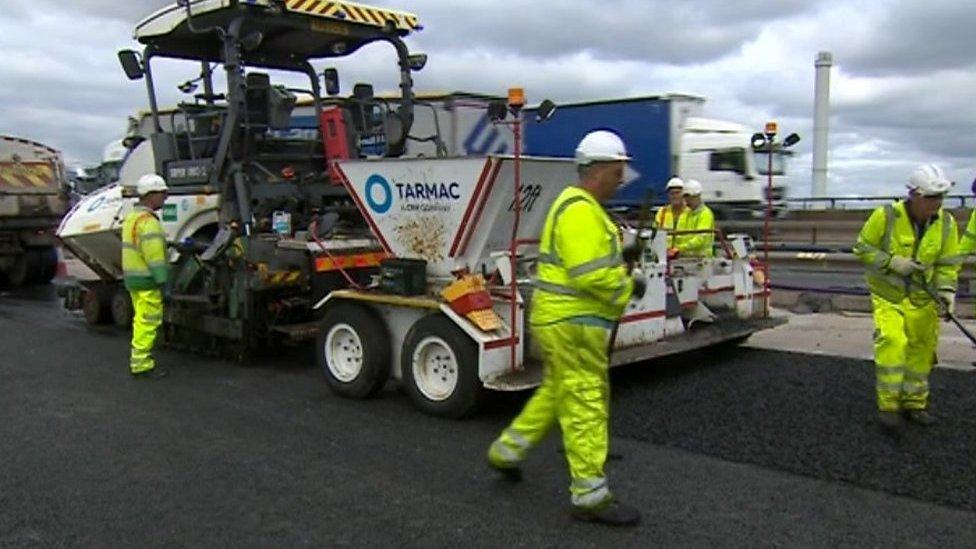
91, 230
454, 212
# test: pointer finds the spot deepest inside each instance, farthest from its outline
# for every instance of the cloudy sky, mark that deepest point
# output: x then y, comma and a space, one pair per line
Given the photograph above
902, 85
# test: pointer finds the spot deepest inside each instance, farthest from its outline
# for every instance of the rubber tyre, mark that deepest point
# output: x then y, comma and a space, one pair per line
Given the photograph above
43, 264
366, 334
121, 308
439, 333
19, 273
97, 305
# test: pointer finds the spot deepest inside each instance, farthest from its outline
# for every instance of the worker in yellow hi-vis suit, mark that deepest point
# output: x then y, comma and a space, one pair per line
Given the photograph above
699, 218
145, 271
581, 290
967, 242
669, 216
905, 246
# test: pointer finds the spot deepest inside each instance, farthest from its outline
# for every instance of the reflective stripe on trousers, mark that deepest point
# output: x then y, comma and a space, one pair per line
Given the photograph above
905, 342
575, 393
147, 307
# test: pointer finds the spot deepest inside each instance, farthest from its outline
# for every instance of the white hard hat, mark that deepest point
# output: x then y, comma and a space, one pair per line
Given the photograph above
693, 188
929, 180
150, 183
674, 183
601, 146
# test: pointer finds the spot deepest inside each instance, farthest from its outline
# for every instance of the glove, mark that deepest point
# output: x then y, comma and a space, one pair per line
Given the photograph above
640, 284
948, 298
903, 265
631, 253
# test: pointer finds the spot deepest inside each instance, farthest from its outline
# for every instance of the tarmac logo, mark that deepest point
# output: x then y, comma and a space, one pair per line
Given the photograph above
379, 194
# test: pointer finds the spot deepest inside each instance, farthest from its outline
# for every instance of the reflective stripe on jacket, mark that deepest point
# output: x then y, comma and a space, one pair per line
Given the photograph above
967, 242
699, 244
144, 263
665, 219
889, 232
581, 272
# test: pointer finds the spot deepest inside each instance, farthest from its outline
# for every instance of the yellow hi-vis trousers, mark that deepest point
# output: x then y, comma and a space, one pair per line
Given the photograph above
147, 306
575, 392
905, 340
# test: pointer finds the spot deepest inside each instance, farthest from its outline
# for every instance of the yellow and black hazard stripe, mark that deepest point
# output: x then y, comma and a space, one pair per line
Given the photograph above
281, 278
26, 174
355, 13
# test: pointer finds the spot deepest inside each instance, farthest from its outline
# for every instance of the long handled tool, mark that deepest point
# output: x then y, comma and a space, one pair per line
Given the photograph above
944, 309
643, 223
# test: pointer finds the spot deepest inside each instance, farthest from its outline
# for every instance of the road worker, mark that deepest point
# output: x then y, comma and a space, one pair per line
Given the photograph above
967, 242
669, 216
145, 272
696, 217
905, 246
581, 290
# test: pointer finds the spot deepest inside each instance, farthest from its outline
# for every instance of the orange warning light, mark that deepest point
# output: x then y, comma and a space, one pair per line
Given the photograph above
516, 97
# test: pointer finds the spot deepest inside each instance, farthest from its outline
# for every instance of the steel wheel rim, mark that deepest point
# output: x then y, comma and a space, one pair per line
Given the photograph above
435, 368
343, 352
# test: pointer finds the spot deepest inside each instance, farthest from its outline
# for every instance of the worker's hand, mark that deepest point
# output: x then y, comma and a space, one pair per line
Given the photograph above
948, 298
673, 253
640, 284
632, 253
904, 266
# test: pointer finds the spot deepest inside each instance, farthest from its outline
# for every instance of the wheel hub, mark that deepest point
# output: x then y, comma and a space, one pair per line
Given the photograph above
435, 368
344, 352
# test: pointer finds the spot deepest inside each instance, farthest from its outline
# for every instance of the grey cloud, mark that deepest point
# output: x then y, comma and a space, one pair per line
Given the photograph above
650, 30
123, 10
914, 37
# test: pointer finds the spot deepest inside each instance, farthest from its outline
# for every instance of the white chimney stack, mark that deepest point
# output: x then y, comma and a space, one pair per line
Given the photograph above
821, 122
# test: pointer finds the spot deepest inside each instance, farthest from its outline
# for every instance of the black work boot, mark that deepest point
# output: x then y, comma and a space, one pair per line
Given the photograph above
511, 473
613, 514
889, 421
155, 373
920, 417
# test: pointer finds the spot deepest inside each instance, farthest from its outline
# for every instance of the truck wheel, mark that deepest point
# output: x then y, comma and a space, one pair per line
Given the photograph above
43, 263
440, 368
97, 305
122, 308
354, 350
19, 273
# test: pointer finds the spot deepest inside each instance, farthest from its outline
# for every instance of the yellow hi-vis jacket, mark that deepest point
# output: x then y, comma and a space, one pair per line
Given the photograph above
967, 242
665, 219
581, 274
698, 244
890, 232
144, 264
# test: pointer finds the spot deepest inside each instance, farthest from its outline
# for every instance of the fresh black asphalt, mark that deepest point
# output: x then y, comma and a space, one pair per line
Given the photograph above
733, 448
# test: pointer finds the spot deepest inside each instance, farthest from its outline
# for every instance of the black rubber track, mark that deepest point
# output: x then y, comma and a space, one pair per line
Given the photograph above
806, 414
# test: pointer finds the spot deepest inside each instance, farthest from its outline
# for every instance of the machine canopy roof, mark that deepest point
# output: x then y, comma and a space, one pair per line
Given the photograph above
292, 31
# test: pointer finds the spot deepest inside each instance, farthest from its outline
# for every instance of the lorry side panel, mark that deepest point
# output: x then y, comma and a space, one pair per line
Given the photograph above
643, 124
